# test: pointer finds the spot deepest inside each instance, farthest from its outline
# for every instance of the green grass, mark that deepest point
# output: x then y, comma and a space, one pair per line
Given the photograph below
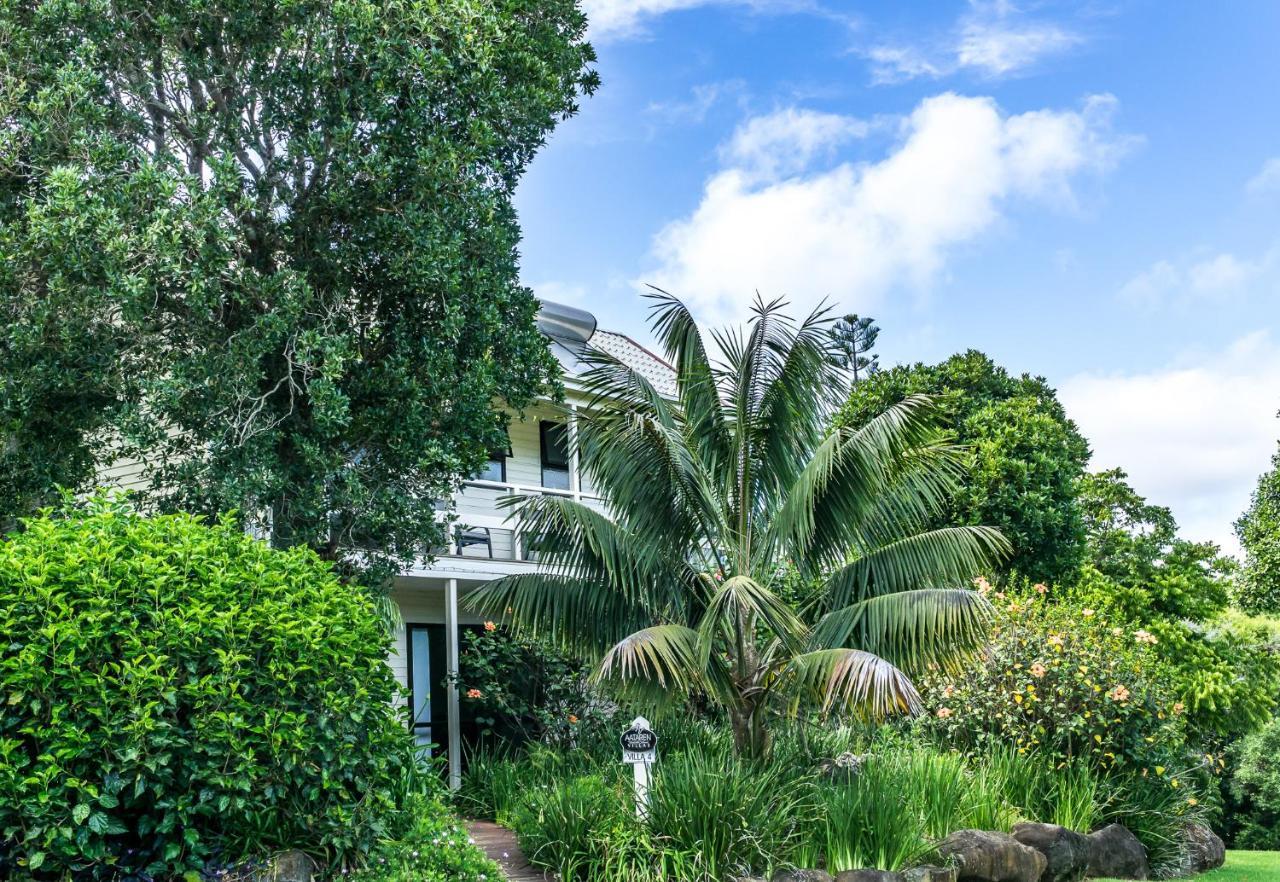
1242, 866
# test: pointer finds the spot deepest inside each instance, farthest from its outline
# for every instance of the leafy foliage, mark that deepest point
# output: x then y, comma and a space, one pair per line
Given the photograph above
1060, 680
710, 495
1142, 574
1259, 532
1255, 790
270, 250
175, 691
434, 847
1025, 455
522, 690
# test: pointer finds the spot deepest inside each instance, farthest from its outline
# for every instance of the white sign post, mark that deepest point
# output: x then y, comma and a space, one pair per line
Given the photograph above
640, 750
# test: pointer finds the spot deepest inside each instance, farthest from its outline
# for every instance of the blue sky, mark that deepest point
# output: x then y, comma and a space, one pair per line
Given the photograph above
1086, 191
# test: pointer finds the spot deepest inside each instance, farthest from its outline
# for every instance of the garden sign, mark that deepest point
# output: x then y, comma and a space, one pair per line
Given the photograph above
640, 750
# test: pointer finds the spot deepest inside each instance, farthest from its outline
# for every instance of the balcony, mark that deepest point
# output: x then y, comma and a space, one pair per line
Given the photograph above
483, 530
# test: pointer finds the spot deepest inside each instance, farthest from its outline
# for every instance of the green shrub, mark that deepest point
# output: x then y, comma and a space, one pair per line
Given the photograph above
1155, 809
1061, 681
435, 847
526, 690
1255, 789
579, 828
174, 690
726, 815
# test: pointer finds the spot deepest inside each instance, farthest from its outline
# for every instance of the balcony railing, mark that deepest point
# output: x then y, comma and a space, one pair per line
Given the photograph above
492, 535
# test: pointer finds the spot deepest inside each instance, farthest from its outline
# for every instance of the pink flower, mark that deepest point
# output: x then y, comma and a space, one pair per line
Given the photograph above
1040, 588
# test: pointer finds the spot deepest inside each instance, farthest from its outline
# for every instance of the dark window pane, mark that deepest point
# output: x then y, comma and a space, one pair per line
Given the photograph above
555, 454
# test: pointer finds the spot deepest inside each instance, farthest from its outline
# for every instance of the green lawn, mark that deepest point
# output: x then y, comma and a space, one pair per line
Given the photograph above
1243, 866
1247, 866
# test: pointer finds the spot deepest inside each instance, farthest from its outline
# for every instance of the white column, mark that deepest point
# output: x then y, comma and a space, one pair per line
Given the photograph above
574, 483
451, 663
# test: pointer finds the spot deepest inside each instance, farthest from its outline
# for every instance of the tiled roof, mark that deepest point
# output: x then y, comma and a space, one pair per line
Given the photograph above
635, 356
572, 330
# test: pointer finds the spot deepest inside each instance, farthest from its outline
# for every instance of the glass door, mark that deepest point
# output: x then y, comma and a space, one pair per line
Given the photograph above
428, 704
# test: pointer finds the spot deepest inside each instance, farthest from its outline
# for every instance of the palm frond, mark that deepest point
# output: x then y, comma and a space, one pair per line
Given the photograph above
737, 605
912, 629
946, 557
663, 656
584, 616
851, 681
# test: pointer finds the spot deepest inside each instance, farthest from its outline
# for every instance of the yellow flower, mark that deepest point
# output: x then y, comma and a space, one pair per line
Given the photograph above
1191, 800
1159, 770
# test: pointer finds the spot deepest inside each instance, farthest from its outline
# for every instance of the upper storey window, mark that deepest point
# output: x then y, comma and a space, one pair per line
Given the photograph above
496, 468
554, 438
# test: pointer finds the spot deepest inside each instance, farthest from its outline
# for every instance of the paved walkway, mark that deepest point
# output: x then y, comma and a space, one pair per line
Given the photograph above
499, 844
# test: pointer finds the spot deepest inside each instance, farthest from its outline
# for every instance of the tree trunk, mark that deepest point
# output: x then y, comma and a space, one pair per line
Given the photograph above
751, 738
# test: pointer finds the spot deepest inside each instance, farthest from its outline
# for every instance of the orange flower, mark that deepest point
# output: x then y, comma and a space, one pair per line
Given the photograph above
1178, 707
1040, 588
1118, 693
572, 719
944, 712
1038, 670
474, 693
490, 626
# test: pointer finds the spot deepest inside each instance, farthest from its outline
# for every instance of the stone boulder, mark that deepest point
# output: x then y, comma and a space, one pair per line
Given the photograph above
1066, 851
1203, 851
982, 856
868, 876
929, 873
801, 876
290, 866
1116, 853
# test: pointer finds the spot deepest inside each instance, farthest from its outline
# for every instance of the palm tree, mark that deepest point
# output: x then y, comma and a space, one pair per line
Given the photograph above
718, 495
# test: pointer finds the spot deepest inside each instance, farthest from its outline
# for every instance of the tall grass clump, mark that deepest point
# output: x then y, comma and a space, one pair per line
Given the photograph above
726, 815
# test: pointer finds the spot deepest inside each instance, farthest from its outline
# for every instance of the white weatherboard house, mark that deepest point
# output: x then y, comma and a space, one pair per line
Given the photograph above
485, 545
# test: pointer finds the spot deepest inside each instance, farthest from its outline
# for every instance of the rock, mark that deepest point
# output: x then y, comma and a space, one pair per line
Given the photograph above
868, 876
929, 873
1066, 851
802, 876
290, 866
747, 879
1204, 850
982, 856
1116, 853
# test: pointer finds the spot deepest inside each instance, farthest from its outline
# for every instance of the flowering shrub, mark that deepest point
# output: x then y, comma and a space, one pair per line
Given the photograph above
1058, 678
521, 690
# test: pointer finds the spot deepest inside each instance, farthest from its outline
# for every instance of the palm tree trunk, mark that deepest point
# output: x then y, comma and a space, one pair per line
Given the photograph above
751, 736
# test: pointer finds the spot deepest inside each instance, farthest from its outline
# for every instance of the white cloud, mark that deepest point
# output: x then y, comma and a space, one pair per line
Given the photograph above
997, 49
992, 39
1191, 436
1267, 180
786, 141
614, 19
1202, 279
854, 230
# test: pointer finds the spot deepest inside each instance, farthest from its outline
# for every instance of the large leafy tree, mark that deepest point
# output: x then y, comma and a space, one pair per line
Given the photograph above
714, 495
1259, 532
1171, 591
1025, 454
270, 249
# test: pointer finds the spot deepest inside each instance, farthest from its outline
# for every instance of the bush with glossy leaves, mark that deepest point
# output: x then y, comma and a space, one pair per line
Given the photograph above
177, 693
